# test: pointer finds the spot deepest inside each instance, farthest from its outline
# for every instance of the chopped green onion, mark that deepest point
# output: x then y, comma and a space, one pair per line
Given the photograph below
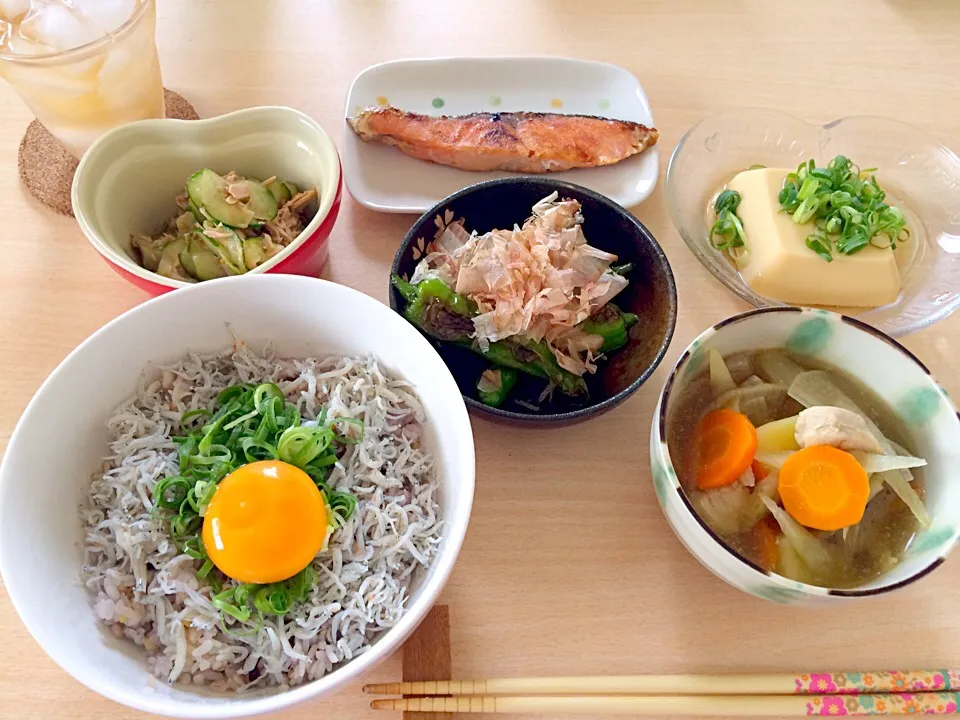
193, 546
240, 420
232, 392
267, 390
205, 568
820, 245
352, 422
227, 602
728, 200
727, 231
321, 461
254, 450
170, 492
215, 453
845, 204
201, 494
191, 414
299, 445
183, 526
271, 600
302, 583
268, 425
342, 505
246, 424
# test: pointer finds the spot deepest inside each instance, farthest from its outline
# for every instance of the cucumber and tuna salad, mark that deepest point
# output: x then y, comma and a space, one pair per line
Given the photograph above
226, 225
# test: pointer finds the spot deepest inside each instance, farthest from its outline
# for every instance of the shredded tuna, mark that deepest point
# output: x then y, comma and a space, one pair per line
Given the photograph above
536, 282
292, 217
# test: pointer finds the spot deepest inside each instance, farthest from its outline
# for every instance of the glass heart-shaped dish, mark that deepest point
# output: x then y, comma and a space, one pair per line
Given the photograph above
921, 174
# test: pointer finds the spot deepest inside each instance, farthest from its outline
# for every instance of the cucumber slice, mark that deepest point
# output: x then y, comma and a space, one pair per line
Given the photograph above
280, 191
186, 259
200, 261
291, 188
253, 252
195, 211
229, 249
261, 202
208, 190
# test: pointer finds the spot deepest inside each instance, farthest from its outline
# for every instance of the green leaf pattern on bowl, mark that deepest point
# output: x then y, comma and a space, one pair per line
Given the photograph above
932, 539
698, 357
777, 594
919, 406
663, 480
811, 336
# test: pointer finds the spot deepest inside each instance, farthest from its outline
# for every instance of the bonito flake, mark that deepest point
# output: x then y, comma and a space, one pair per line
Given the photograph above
534, 282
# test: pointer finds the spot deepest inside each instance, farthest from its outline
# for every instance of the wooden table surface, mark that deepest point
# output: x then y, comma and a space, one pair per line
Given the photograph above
568, 566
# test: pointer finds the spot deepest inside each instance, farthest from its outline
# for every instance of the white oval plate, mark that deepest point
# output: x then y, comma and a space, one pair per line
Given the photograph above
384, 179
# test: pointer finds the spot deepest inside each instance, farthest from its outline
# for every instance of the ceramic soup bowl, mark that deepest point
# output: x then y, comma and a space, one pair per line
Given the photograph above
886, 368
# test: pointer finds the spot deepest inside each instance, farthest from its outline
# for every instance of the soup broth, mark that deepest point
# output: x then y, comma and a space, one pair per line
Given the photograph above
842, 558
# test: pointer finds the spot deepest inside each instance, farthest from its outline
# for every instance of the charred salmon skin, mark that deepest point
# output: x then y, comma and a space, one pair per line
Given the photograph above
519, 142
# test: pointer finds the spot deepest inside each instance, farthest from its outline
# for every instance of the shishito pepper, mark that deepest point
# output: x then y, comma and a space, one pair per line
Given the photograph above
437, 310
420, 295
612, 324
446, 315
495, 385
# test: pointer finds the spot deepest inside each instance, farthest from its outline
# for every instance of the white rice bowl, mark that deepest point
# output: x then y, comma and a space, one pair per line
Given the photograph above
147, 590
68, 587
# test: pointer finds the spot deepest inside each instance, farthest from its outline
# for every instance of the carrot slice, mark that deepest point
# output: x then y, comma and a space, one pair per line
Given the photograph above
763, 540
760, 471
726, 445
824, 488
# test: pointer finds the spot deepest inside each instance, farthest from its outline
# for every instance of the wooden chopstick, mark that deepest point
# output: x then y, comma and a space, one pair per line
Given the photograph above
943, 703
731, 684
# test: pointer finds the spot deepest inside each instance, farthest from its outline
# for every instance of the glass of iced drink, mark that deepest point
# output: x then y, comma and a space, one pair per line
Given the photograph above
82, 66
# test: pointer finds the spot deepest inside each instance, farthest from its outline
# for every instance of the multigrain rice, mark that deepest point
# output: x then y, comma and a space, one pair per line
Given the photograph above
145, 590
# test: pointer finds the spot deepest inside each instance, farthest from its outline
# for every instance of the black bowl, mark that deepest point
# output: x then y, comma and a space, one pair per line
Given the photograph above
651, 294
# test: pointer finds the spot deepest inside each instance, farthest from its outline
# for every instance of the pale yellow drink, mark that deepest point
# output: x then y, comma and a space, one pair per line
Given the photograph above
82, 66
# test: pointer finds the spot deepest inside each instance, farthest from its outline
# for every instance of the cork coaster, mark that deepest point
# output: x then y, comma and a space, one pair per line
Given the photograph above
47, 168
426, 656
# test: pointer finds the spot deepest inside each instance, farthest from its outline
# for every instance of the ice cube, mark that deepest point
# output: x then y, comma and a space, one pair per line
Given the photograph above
51, 86
21, 46
121, 76
106, 15
57, 25
130, 84
12, 9
18, 45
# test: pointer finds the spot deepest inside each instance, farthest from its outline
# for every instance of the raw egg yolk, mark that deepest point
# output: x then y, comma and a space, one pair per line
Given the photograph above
266, 522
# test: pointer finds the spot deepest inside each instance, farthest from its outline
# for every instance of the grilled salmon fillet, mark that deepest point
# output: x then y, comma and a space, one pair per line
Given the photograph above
519, 142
